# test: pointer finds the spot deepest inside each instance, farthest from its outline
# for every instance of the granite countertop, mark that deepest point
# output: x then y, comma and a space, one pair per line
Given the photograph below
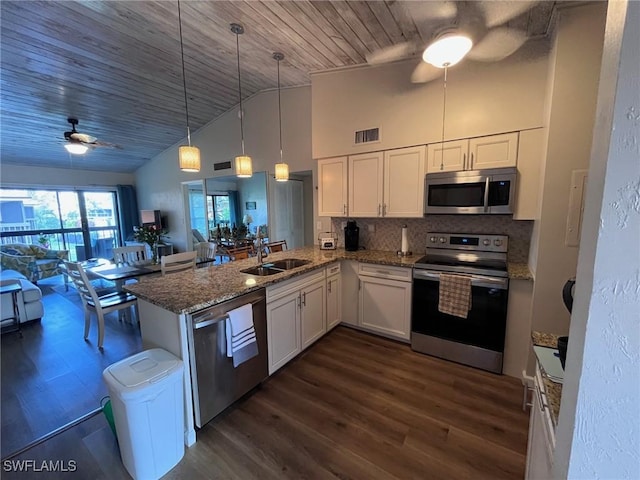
191, 291
552, 389
519, 271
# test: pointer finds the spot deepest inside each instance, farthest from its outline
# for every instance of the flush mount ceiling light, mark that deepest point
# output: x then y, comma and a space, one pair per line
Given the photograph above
447, 50
244, 168
76, 148
188, 156
282, 169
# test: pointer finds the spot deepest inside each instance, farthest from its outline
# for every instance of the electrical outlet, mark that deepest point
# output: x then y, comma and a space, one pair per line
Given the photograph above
371, 227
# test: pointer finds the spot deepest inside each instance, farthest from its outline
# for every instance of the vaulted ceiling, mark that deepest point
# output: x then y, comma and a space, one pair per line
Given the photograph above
115, 65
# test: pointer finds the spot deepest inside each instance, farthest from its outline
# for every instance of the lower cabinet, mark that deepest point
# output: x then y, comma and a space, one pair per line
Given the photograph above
385, 300
334, 296
296, 316
541, 435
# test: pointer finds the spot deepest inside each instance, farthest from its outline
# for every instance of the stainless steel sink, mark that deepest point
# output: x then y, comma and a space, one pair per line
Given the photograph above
262, 271
289, 263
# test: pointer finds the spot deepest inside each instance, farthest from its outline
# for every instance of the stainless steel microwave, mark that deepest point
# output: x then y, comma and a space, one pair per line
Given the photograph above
490, 191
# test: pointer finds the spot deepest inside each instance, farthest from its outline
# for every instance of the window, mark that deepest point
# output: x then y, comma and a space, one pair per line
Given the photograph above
218, 209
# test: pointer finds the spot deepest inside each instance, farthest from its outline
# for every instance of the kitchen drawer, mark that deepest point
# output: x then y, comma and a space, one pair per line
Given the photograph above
402, 274
283, 288
333, 269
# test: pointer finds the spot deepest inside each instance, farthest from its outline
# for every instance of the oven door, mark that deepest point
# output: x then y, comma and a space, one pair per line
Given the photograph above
477, 340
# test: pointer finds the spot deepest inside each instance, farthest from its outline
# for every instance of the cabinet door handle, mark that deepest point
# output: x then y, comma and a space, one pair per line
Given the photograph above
471, 163
329, 287
384, 209
344, 209
304, 299
464, 161
379, 209
299, 302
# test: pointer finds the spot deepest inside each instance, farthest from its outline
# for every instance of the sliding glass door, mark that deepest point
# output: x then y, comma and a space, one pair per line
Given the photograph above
84, 222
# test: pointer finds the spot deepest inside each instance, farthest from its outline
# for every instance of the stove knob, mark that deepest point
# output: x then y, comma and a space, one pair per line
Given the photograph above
497, 242
433, 239
443, 240
486, 242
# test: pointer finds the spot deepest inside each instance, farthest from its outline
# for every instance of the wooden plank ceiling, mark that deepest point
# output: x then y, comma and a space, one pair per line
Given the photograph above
115, 65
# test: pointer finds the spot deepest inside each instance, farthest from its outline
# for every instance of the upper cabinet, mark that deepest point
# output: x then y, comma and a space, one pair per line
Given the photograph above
332, 187
387, 184
493, 151
531, 154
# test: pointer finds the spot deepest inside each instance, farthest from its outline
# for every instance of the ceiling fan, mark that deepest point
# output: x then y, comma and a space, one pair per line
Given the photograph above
460, 29
78, 143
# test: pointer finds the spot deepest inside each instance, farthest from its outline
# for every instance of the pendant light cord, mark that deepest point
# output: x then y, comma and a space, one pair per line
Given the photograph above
184, 76
444, 109
279, 109
240, 93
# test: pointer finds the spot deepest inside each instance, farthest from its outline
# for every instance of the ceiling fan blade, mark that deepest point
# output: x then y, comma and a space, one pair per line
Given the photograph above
500, 12
433, 10
497, 44
391, 54
425, 72
82, 137
105, 144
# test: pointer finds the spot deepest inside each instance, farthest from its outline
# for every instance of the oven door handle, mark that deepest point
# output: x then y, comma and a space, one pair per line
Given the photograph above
476, 280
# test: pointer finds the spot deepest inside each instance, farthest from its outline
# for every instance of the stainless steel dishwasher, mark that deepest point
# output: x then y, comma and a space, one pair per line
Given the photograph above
216, 384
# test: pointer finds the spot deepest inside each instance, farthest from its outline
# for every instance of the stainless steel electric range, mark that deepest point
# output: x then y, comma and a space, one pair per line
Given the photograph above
477, 340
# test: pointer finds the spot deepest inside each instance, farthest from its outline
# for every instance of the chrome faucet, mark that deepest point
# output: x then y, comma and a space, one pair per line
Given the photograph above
261, 250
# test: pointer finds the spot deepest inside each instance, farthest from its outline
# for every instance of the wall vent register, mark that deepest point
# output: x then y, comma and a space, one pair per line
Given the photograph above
367, 136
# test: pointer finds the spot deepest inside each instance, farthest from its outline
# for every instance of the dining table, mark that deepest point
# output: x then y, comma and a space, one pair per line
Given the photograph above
119, 273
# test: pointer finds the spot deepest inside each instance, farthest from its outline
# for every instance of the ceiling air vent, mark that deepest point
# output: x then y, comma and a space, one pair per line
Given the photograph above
368, 136
222, 166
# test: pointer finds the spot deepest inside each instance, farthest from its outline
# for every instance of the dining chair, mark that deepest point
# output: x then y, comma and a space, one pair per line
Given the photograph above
130, 254
278, 246
239, 253
93, 303
178, 262
206, 252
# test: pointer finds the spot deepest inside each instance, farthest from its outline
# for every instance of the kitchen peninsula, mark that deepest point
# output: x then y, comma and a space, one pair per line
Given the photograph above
167, 303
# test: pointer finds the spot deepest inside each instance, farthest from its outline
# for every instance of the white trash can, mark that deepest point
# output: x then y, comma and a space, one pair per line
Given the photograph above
147, 398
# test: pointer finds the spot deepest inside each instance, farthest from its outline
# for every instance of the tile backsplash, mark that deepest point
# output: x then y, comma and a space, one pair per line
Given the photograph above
387, 232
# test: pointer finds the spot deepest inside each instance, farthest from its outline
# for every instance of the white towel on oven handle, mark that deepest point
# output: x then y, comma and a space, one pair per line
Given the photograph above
241, 334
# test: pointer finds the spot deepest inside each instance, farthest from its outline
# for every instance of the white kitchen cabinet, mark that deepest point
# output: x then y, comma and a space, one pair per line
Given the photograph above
540, 448
366, 184
531, 158
332, 187
492, 151
283, 330
313, 312
387, 184
334, 296
350, 292
404, 171
385, 300
296, 316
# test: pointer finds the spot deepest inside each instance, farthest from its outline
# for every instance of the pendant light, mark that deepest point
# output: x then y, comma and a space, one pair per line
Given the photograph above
282, 169
244, 168
188, 156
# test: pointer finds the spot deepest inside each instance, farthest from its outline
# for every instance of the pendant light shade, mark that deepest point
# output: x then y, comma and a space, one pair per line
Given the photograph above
188, 156
447, 50
244, 169
282, 169
76, 148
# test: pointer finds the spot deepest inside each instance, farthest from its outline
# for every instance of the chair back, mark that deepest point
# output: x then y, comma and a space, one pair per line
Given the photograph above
131, 254
178, 262
206, 251
240, 253
80, 280
278, 246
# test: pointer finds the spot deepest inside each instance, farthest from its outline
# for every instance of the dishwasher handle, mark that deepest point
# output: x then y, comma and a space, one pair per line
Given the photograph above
205, 322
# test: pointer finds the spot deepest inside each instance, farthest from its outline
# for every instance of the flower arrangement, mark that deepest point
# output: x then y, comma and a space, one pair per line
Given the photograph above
150, 235
43, 240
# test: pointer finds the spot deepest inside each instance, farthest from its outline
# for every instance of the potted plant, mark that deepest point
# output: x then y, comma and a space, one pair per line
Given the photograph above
43, 240
150, 235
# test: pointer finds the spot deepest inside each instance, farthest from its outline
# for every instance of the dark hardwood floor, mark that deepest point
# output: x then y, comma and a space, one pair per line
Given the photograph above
51, 376
353, 406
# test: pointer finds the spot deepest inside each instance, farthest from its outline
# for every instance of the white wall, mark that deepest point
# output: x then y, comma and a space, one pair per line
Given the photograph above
598, 432
159, 181
571, 116
482, 98
61, 177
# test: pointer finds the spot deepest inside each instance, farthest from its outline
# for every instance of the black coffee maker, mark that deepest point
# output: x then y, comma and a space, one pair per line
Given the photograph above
351, 236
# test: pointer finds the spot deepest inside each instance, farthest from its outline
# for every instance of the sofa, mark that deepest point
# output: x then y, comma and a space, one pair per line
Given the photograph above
32, 261
30, 304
